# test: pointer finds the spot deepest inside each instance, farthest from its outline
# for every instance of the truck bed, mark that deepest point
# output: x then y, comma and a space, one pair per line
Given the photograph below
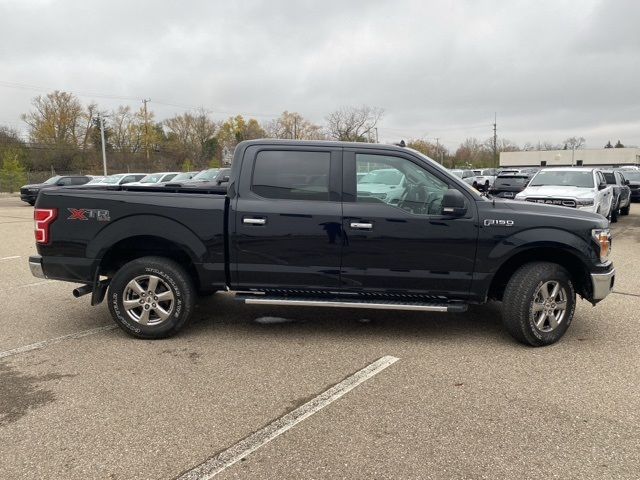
94, 224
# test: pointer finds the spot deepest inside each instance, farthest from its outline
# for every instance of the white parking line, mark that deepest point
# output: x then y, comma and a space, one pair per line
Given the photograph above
240, 450
51, 341
10, 258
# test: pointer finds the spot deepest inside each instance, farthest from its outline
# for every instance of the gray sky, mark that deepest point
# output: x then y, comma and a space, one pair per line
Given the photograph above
550, 69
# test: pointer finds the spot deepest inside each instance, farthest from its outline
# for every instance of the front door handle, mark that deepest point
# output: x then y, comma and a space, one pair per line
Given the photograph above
361, 226
254, 221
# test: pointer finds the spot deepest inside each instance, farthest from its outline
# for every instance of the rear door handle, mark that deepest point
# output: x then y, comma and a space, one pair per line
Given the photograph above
254, 221
361, 226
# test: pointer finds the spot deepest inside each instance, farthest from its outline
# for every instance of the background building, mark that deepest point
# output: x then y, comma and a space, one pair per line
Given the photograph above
560, 158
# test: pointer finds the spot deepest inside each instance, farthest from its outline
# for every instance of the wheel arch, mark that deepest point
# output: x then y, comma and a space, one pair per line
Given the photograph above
567, 258
146, 235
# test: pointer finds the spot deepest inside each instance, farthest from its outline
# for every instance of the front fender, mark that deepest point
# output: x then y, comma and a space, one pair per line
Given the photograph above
561, 240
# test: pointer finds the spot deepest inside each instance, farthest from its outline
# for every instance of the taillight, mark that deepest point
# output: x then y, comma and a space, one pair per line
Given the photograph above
43, 218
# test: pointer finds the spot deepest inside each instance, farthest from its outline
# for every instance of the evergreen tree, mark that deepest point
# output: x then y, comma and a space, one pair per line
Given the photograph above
12, 174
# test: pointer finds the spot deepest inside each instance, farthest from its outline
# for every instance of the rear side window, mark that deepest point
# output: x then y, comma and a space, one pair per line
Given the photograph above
65, 181
611, 178
79, 180
291, 175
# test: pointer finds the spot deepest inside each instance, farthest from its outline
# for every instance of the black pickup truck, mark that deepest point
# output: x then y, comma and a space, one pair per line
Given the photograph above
295, 228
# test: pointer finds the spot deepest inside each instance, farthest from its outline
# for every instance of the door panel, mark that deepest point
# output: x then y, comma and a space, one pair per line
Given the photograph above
287, 219
406, 244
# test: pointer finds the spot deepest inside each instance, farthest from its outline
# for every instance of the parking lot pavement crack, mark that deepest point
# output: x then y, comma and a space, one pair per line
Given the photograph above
629, 294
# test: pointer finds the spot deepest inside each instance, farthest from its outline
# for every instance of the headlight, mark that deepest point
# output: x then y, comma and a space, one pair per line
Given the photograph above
584, 202
602, 236
33, 190
381, 196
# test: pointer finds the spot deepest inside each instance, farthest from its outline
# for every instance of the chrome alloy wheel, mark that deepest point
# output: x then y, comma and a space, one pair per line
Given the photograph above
148, 300
549, 306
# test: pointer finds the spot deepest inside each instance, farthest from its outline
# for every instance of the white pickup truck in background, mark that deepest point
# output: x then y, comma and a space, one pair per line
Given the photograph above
581, 188
483, 179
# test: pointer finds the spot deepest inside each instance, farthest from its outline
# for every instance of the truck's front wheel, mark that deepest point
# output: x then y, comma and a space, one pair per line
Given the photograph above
151, 297
538, 303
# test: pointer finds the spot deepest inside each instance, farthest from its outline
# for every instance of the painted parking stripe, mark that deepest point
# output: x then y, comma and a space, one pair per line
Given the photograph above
10, 258
51, 341
240, 450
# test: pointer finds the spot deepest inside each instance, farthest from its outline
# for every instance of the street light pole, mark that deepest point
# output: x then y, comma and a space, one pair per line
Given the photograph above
104, 151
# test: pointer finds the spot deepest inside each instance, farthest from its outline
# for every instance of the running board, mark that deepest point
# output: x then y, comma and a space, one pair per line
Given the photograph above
353, 303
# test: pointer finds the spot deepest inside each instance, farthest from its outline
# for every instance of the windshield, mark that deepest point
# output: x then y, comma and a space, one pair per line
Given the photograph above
385, 177
151, 178
632, 175
182, 176
53, 180
563, 178
206, 175
610, 178
511, 181
112, 179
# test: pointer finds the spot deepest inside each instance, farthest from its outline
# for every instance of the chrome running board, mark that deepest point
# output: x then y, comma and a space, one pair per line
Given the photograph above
352, 303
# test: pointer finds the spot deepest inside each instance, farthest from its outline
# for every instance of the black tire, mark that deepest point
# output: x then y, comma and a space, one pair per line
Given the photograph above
520, 297
614, 215
164, 318
625, 210
32, 203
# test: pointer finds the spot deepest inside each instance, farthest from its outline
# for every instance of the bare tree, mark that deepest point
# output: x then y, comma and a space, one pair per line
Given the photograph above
189, 134
294, 126
574, 143
354, 124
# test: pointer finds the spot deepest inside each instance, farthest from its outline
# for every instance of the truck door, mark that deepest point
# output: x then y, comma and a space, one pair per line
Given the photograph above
285, 219
396, 236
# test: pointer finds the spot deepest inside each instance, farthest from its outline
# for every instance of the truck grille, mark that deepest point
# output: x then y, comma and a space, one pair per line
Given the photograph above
563, 202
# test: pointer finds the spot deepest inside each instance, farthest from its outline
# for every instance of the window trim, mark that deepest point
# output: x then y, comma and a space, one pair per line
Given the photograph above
277, 148
349, 165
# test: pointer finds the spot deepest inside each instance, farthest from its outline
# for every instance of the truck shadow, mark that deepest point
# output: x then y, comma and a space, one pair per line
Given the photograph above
222, 312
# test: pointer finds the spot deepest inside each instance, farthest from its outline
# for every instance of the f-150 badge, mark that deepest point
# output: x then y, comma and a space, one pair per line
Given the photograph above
88, 214
498, 223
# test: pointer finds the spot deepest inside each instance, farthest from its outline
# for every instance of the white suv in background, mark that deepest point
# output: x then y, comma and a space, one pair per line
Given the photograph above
582, 188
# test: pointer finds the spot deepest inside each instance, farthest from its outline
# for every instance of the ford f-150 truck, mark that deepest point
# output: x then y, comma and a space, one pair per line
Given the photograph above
295, 228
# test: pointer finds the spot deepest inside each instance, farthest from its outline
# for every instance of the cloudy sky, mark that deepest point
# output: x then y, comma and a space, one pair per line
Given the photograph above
549, 69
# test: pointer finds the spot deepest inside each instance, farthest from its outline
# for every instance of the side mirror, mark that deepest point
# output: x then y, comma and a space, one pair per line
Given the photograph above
225, 178
626, 182
454, 203
602, 186
61, 183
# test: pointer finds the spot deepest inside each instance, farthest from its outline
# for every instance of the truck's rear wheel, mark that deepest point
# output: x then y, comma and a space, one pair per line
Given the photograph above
151, 297
538, 303
625, 210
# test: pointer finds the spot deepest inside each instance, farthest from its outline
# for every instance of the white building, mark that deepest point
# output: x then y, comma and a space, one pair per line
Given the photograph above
610, 157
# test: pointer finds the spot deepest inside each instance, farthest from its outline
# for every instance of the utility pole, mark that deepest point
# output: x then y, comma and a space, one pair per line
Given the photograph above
438, 149
104, 151
295, 127
376, 129
146, 127
495, 140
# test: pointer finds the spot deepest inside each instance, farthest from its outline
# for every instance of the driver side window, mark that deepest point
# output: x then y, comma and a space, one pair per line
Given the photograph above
398, 182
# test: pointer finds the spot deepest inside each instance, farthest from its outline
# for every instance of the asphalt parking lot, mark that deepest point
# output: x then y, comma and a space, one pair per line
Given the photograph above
84, 400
